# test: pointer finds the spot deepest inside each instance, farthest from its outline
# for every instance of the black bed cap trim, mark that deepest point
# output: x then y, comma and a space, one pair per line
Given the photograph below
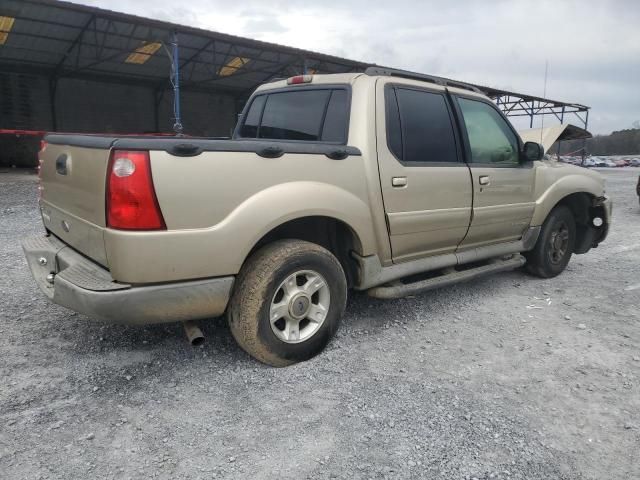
189, 147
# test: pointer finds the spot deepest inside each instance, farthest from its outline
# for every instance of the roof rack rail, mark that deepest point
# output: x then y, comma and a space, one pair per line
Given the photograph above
445, 82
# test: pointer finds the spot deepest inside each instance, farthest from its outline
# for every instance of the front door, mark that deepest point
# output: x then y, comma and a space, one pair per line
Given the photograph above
426, 186
503, 186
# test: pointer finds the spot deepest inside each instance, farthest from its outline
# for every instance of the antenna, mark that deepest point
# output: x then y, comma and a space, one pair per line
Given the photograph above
544, 93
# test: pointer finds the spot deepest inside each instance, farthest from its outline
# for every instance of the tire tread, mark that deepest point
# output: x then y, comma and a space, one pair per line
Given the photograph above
251, 287
537, 261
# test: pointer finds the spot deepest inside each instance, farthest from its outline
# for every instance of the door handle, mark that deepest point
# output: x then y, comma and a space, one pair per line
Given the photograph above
484, 180
399, 182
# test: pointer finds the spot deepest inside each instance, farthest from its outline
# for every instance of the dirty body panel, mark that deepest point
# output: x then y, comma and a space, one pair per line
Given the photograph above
73, 281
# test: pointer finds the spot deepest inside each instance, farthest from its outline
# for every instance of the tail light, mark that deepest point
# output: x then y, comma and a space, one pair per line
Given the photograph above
131, 199
298, 79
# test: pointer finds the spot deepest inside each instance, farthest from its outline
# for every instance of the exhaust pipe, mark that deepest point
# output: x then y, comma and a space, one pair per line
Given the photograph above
194, 334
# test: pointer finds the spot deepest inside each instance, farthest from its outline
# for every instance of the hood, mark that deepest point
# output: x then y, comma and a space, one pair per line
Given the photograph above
557, 170
549, 135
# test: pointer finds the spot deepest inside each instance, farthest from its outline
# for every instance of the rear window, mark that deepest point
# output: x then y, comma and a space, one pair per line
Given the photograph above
318, 115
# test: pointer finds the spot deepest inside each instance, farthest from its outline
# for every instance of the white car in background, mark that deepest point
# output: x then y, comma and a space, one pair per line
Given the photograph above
605, 162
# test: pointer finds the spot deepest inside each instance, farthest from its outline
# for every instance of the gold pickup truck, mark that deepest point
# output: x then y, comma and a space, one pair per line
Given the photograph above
385, 181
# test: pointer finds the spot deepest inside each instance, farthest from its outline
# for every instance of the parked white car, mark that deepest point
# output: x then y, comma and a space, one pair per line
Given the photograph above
605, 162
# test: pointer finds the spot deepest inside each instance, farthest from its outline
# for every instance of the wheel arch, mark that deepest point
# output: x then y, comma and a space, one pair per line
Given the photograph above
581, 204
564, 189
332, 233
317, 212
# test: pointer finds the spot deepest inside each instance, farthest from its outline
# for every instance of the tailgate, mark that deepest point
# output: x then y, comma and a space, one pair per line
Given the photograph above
73, 183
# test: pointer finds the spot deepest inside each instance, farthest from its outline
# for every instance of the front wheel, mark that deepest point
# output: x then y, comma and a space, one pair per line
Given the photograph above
555, 244
287, 302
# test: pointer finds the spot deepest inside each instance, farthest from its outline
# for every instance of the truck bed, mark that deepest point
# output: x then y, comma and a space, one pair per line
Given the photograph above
200, 183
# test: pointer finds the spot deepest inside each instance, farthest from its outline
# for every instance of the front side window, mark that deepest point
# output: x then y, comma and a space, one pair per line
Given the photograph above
490, 138
311, 115
419, 126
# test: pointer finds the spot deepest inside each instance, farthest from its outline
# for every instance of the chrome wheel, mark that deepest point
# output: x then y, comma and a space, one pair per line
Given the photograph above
558, 243
299, 306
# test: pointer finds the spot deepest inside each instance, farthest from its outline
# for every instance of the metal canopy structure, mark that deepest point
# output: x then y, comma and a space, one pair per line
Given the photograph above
520, 105
58, 40
63, 39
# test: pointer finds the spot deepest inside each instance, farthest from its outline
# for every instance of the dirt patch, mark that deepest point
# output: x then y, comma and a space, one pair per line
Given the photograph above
505, 377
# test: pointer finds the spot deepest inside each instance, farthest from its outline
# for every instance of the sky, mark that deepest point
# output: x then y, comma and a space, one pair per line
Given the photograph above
592, 47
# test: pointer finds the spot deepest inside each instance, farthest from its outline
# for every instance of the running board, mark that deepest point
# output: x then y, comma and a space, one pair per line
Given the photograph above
396, 290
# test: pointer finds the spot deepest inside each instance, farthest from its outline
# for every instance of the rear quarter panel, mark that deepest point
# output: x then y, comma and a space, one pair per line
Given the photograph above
217, 205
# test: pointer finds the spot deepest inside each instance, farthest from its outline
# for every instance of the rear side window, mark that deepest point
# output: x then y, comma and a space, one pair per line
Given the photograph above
250, 127
335, 122
311, 115
394, 134
419, 126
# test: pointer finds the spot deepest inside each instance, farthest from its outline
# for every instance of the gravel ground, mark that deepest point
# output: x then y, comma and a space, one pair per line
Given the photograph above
505, 377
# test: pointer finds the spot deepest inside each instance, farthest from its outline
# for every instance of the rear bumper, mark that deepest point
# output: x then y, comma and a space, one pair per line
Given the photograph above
73, 281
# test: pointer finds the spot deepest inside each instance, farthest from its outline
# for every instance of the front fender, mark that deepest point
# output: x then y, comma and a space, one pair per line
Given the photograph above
556, 185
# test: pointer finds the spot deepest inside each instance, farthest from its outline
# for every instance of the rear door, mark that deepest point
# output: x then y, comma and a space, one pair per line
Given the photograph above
503, 186
426, 186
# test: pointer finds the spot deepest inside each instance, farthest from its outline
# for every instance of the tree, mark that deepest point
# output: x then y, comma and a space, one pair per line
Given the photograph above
623, 142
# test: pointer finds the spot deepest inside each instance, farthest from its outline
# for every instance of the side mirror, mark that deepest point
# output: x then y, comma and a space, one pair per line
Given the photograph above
532, 151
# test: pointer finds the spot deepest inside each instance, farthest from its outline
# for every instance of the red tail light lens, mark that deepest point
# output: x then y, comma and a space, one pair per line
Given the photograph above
131, 198
298, 79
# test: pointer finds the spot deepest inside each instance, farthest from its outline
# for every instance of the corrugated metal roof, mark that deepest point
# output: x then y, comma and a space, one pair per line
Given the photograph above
67, 39
63, 39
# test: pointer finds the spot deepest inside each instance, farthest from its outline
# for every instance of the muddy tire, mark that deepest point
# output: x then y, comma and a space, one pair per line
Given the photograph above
554, 246
287, 302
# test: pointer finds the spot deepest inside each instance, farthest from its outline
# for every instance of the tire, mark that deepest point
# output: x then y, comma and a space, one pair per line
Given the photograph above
554, 246
278, 281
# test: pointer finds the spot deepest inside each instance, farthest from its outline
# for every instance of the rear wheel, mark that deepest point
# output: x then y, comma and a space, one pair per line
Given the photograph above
555, 244
287, 302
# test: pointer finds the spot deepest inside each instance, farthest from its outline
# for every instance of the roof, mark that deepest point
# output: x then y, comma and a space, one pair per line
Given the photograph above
67, 39
63, 39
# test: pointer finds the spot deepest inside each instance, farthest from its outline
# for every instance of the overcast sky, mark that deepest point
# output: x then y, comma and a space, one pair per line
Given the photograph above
593, 47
